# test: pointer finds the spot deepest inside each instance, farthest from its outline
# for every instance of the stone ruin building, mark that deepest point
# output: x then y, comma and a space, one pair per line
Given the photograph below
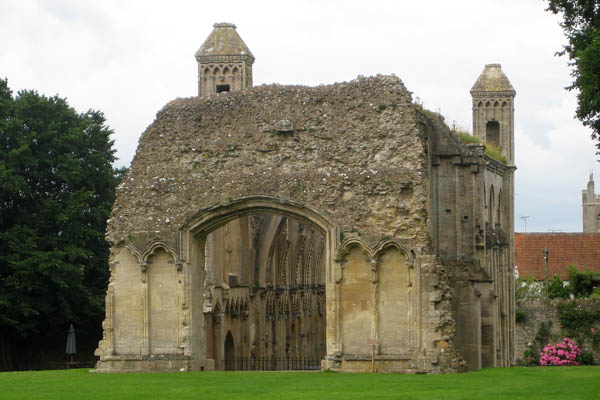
292, 227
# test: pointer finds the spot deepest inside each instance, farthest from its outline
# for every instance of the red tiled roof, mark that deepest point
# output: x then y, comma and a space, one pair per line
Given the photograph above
579, 249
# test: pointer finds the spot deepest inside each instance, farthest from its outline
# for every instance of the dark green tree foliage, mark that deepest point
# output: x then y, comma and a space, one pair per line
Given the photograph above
57, 186
582, 283
581, 25
558, 290
580, 320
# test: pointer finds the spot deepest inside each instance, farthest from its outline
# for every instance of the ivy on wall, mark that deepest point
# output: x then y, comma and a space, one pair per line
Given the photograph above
580, 320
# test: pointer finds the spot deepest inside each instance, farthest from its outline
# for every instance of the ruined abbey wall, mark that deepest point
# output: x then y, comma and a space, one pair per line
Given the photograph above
352, 151
340, 222
350, 159
337, 227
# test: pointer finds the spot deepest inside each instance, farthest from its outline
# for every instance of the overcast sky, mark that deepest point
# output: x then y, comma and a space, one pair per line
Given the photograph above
129, 58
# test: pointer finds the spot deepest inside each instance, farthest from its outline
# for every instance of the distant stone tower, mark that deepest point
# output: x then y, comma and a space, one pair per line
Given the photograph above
493, 110
224, 62
591, 208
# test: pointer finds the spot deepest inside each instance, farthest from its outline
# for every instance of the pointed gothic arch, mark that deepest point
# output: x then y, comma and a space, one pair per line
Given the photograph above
499, 209
491, 209
230, 355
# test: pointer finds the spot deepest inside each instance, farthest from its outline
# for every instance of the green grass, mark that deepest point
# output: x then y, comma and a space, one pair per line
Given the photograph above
466, 137
495, 152
490, 149
511, 383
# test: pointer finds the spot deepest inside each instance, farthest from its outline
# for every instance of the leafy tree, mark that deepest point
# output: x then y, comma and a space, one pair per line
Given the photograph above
580, 320
57, 186
582, 283
581, 25
558, 290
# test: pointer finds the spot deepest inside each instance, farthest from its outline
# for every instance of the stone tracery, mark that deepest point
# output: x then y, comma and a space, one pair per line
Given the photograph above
279, 308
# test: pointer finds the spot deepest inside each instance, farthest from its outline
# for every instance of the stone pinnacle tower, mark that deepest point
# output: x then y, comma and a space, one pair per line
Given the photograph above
591, 208
493, 110
224, 62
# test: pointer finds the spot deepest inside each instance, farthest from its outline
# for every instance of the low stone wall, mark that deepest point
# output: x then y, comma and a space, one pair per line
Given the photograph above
536, 313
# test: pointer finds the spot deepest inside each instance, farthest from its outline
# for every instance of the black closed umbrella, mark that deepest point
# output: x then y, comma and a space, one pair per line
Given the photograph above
71, 346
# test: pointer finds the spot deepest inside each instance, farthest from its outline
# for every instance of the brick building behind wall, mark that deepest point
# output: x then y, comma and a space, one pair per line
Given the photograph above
579, 249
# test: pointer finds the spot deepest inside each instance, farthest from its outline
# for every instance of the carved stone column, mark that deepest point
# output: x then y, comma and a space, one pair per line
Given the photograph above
146, 309
338, 275
182, 308
374, 299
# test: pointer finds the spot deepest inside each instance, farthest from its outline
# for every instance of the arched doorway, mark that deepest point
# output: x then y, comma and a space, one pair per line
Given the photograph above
229, 353
263, 277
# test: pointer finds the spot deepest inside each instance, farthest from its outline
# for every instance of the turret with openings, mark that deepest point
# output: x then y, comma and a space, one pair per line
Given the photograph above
493, 110
224, 62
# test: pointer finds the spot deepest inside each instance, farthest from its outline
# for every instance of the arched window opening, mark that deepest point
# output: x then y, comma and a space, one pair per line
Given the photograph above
491, 208
499, 210
492, 133
484, 197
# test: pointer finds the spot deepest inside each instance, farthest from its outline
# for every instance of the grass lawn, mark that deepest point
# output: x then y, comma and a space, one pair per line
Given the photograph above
510, 383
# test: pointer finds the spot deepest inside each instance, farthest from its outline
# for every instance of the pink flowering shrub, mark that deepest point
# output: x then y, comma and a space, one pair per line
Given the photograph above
563, 353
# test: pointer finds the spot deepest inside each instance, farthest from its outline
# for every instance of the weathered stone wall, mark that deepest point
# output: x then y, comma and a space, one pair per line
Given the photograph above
438, 340
423, 319
538, 312
359, 162
471, 225
351, 151
127, 297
